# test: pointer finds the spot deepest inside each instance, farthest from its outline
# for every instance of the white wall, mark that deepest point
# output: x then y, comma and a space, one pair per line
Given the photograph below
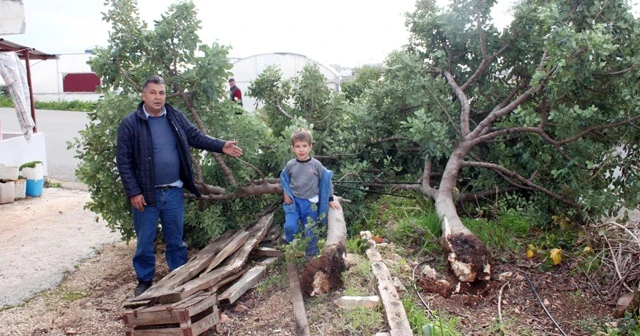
15, 150
11, 17
248, 69
47, 76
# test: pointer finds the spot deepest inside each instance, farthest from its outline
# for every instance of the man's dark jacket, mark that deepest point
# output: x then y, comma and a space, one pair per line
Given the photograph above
134, 152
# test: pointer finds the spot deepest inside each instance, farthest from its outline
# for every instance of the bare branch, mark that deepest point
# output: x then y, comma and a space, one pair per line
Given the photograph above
462, 97
496, 114
277, 104
131, 81
523, 180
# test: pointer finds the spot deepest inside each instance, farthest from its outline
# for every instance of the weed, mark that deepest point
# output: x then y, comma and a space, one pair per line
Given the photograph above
274, 281
628, 325
423, 325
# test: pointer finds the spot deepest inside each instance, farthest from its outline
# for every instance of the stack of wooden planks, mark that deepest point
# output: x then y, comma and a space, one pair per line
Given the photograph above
185, 302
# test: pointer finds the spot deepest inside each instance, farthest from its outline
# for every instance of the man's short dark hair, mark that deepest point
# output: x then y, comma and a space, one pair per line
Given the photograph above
155, 79
231, 80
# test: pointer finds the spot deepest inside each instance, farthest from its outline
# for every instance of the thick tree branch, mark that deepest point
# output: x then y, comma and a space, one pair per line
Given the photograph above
465, 108
496, 114
255, 188
526, 182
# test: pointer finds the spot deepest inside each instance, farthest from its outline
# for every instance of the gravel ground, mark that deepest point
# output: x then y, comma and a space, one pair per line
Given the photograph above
42, 239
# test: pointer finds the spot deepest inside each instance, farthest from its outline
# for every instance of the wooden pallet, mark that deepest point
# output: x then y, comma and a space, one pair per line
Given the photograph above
189, 317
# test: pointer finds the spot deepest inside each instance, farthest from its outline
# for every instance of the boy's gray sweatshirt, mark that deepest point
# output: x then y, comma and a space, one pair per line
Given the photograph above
305, 178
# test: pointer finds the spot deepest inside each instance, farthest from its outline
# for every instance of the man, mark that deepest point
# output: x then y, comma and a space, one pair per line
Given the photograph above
236, 94
154, 165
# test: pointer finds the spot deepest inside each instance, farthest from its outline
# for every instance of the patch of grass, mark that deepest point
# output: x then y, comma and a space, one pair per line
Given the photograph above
276, 280
362, 321
63, 294
494, 235
359, 279
419, 232
53, 185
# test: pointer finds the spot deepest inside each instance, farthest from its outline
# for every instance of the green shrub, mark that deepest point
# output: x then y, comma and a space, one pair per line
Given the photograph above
73, 105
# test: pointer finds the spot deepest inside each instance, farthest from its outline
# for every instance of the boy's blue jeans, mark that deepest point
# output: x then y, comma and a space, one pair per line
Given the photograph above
169, 209
301, 210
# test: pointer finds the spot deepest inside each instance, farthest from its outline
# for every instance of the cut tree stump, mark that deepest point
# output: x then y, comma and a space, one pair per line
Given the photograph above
192, 316
394, 310
323, 274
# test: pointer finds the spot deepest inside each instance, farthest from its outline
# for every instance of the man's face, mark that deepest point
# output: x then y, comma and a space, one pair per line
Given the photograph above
154, 97
301, 149
232, 83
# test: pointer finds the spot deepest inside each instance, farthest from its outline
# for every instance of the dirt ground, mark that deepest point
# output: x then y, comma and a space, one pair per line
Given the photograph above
42, 238
89, 300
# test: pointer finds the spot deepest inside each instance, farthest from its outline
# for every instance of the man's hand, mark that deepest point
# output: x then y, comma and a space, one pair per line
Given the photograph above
231, 149
138, 202
287, 199
335, 205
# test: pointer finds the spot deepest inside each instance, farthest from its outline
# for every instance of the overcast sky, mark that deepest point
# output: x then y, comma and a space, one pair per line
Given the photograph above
345, 32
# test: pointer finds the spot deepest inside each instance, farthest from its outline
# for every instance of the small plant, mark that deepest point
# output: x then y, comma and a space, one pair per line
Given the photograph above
31, 164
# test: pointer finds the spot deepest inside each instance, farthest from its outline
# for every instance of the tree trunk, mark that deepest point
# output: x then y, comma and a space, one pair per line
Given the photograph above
468, 257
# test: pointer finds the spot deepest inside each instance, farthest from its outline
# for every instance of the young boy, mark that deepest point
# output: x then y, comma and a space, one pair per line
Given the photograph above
305, 182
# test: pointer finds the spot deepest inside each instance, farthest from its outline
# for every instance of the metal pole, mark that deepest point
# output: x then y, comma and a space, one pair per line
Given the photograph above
33, 106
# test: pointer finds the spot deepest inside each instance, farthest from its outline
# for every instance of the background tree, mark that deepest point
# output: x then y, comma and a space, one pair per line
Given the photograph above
537, 109
196, 75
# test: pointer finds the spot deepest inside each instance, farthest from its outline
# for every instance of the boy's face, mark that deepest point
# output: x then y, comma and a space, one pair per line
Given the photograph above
301, 149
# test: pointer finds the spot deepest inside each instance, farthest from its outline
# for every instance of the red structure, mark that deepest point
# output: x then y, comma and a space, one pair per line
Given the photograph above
80, 82
26, 54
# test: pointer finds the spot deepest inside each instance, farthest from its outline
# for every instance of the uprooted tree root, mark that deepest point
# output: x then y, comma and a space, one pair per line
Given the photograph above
468, 257
323, 274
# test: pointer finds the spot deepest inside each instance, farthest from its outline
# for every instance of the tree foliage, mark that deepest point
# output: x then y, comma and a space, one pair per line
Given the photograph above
195, 75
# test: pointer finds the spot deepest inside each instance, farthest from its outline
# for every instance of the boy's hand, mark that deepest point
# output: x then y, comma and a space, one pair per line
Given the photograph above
287, 199
335, 205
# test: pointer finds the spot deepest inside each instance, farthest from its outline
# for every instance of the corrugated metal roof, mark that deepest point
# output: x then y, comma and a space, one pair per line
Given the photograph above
33, 53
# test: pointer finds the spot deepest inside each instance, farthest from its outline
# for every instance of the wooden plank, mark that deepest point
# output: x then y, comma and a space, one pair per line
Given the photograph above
233, 246
179, 312
252, 277
396, 316
232, 265
267, 252
299, 313
189, 270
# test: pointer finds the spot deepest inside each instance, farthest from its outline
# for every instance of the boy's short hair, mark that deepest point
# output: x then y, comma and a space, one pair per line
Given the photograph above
301, 134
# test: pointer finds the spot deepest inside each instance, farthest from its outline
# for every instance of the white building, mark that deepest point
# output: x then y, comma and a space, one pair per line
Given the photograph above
246, 70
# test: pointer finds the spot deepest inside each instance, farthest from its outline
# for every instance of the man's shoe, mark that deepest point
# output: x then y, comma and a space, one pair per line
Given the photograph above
142, 287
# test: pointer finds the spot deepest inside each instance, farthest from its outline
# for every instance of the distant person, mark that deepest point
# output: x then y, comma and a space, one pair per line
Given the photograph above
235, 93
305, 181
152, 156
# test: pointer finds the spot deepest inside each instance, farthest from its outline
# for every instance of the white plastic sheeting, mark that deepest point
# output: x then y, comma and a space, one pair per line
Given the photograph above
14, 75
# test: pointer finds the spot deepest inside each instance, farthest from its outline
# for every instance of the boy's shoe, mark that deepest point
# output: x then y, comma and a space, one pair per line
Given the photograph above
142, 287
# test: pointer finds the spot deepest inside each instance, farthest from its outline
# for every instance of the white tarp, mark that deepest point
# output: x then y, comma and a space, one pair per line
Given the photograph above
14, 75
